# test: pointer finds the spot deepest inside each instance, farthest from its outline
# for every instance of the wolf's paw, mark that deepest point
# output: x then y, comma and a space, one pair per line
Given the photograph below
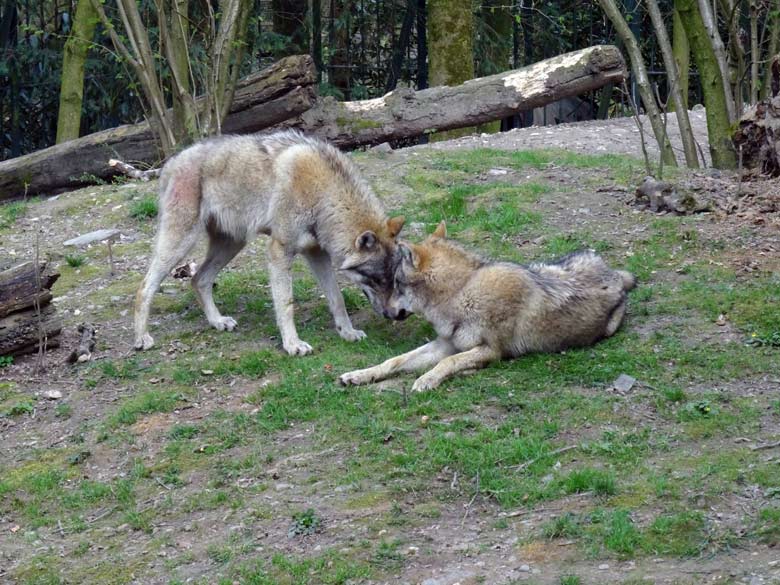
425, 382
297, 347
224, 324
351, 334
144, 342
356, 378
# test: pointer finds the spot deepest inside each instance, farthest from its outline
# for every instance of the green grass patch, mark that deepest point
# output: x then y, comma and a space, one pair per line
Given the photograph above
144, 208
145, 402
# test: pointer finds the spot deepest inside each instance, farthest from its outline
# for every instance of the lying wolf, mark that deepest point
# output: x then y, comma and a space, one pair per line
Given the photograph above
303, 193
485, 311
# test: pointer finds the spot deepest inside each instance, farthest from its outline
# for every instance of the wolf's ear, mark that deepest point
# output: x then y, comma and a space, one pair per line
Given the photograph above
365, 241
394, 225
409, 255
440, 231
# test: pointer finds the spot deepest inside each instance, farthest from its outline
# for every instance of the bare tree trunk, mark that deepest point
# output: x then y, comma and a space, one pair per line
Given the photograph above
682, 55
142, 63
719, 50
450, 46
737, 72
754, 54
689, 144
72, 80
712, 82
638, 67
773, 17
175, 35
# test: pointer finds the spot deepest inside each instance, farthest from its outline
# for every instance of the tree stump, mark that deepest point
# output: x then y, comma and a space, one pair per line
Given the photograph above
26, 315
758, 133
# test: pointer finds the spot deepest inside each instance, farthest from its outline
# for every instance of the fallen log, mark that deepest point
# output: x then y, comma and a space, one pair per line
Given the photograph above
404, 113
262, 99
21, 300
757, 136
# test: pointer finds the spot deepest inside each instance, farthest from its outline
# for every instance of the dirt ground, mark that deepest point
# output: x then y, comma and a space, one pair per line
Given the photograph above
469, 538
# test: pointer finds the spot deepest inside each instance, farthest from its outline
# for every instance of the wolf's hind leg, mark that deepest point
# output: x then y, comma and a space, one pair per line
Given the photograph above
322, 267
424, 356
172, 246
279, 268
476, 357
616, 318
222, 249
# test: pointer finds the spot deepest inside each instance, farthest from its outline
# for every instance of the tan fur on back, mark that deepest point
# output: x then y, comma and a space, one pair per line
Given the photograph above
512, 308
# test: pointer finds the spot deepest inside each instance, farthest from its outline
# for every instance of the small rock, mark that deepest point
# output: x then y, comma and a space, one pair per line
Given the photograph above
52, 394
497, 172
207, 372
424, 419
603, 567
115, 299
524, 569
383, 147
721, 320
623, 383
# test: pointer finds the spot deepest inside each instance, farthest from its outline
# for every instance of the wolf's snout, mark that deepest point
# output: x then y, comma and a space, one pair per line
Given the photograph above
396, 314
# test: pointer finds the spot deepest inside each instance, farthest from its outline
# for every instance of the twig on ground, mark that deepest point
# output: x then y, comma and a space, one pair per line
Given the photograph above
471, 502
641, 128
530, 462
765, 446
132, 172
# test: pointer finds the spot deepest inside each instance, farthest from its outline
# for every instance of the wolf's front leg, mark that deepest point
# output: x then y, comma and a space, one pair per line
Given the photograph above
322, 267
476, 357
417, 359
279, 268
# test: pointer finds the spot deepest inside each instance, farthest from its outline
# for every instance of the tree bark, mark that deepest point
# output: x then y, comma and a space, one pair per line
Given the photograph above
400, 114
283, 90
754, 54
72, 79
773, 18
689, 144
450, 46
19, 320
710, 24
682, 55
638, 67
406, 113
712, 82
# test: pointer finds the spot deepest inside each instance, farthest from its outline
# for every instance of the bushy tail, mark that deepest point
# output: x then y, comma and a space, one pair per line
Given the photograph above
629, 280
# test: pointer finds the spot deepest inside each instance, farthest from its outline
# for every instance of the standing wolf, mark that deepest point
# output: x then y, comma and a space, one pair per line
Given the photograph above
485, 311
303, 193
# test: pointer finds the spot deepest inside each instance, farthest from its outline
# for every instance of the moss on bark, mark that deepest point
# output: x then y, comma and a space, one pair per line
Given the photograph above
72, 81
718, 126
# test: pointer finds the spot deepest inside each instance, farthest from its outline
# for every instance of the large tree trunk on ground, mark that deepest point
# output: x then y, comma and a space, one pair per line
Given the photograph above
21, 327
758, 133
400, 114
712, 83
263, 99
72, 79
406, 113
643, 81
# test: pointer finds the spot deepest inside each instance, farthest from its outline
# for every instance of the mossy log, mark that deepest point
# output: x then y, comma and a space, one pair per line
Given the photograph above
265, 98
405, 113
22, 294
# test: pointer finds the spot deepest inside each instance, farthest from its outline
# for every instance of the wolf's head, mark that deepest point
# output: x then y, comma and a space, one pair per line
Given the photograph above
371, 263
418, 267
